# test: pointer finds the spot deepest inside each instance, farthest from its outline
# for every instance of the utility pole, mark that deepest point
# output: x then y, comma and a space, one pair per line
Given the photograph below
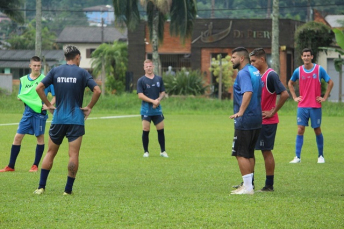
219, 57
38, 43
212, 9
103, 67
275, 37
268, 13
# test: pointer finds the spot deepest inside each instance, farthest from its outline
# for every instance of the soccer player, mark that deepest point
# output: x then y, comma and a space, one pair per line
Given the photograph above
69, 81
151, 90
34, 117
309, 101
247, 90
272, 86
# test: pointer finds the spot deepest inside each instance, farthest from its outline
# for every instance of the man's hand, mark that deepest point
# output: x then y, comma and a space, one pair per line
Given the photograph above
51, 108
156, 103
298, 99
87, 111
268, 114
320, 99
235, 115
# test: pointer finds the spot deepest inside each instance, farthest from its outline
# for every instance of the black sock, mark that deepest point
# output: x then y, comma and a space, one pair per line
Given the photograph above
145, 140
14, 154
44, 177
161, 139
39, 153
269, 180
69, 185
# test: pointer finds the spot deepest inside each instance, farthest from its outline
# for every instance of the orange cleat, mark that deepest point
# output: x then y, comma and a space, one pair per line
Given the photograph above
34, 168
7, 169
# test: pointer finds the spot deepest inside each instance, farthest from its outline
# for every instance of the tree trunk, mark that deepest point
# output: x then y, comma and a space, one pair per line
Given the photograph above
38, 43
340, 86
219, 57
275, 37
155, 43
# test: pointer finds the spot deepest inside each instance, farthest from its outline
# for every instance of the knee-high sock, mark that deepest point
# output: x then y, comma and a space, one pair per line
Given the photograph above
298, 145
161, 139
39, 153
69, 184
320, 144
14, 154
44, 177
145, 140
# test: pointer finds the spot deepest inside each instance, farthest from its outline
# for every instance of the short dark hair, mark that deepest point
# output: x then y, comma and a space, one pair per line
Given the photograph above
307, 50
243, 52
258, 52
70, 52
35, 58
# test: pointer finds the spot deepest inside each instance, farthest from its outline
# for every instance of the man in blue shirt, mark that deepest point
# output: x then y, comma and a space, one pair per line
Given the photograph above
69, 81
247, 90
151, 90
34, 117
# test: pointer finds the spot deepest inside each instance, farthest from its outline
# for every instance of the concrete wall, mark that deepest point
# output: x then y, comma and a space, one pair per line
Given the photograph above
6, 82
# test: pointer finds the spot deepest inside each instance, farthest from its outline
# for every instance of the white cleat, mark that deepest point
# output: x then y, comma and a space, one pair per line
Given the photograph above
321, 160
146, 154
295, 160
163, 154
242, 191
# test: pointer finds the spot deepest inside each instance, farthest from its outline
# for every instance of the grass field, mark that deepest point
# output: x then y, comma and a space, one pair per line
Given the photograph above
117, 188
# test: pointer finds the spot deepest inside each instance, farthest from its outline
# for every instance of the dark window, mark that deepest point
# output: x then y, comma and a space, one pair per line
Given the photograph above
176, 61
89, 52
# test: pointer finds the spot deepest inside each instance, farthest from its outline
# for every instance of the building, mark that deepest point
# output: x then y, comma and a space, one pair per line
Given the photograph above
211, 37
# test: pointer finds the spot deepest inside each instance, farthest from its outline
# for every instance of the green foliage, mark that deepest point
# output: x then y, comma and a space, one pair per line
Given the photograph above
10, 8
184, 83
227, 70
115, 59
312, 35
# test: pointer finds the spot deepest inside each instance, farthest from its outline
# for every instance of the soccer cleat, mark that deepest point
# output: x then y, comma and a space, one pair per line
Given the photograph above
238, 189
67, 194
7, 169
34, 168
267, 189
39, 191
238, 186
146, 154
321, 159
242, 191
163, 154
295, 160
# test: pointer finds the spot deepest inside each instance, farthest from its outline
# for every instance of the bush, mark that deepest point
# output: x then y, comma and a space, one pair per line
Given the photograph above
185, 83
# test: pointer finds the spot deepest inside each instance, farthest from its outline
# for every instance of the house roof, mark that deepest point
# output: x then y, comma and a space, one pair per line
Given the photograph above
91, 35
334, 20
21, 58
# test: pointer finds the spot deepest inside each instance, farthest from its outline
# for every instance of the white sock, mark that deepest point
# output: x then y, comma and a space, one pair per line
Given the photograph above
248, 181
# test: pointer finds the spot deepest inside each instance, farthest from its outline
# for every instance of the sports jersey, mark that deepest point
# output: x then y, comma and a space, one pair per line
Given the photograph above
69, 83
27, 86
272, 86
310, 84
248, 80
152, 89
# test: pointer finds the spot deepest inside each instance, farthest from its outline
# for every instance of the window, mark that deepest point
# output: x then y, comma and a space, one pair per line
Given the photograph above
89, 52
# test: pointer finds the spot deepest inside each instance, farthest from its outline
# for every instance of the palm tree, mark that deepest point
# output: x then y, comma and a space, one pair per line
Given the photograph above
181, 13
11, 9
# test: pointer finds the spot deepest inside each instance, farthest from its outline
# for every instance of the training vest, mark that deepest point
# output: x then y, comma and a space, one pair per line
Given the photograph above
28, 93
268, 99
309, 87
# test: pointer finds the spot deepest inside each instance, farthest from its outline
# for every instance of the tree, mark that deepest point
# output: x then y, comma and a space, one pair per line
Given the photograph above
275, 37
181, 12
10, 8
115, 57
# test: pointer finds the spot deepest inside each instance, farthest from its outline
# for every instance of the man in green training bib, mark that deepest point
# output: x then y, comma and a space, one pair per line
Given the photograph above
34, 117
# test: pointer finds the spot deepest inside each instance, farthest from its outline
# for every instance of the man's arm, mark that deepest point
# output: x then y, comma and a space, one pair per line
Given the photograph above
327, 93
40, 91
244, 104
96, 94
155, 102
292, 91
283, 97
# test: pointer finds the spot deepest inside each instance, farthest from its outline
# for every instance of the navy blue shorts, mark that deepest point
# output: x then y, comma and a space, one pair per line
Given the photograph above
155, 118
34, 125
58, 131
304, 114
266, 139
244, 142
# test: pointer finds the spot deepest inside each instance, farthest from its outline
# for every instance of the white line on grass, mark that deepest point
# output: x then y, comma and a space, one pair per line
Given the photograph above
108, 117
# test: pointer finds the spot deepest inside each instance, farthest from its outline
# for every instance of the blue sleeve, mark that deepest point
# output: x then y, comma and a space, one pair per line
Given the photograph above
323, 74
90, 81
274, 83
19, 87
162, 88
245, 82
295, 75
51, 90
139, 86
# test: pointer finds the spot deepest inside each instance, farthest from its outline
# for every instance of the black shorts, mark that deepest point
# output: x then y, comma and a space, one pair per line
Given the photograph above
266, 139
155, 118
244, 142
58, 131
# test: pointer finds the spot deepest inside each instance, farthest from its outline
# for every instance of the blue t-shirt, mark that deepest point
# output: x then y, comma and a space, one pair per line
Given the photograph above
248, 80
28, 111
69, 83
152, 89
322, 73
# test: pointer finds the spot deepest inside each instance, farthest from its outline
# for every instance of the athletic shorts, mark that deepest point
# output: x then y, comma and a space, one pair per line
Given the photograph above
155, 118
266, 139
304, 114
58, 131
34, 125
244, 142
